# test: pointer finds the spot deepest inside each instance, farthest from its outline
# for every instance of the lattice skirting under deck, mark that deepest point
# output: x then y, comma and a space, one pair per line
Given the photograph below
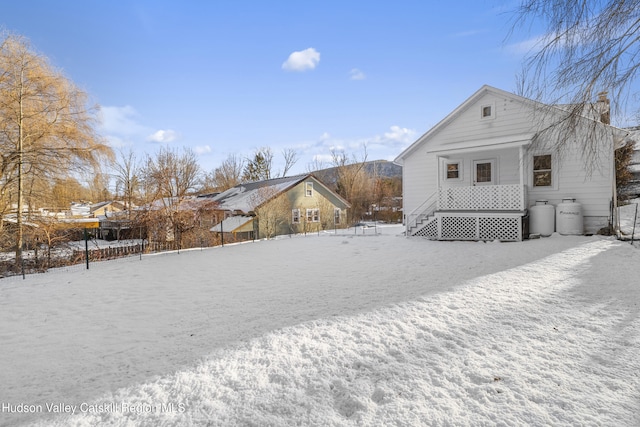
469, 226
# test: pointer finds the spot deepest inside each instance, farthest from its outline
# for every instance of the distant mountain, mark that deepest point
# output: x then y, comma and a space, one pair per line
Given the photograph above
380, 168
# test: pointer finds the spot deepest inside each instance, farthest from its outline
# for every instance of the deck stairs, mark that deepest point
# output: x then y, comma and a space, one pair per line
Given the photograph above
422, 220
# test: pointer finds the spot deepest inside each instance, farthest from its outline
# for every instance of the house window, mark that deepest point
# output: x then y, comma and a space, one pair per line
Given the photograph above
542, 171
295, 216
336, 215
308, 189
453, 170
313, 215
484, 172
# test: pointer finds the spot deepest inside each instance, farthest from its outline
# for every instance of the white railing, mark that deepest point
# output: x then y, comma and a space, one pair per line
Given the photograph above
485, 197
426, 208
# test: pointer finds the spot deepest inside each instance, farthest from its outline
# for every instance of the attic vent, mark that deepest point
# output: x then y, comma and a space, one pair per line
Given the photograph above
486, 111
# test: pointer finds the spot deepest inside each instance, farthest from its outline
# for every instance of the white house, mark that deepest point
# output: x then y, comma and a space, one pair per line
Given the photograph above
476, 174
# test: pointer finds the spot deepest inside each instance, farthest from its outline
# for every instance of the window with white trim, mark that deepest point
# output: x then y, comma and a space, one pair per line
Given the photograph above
295, 216
313, 215
453, 170
308, 189
336, 215
542, 171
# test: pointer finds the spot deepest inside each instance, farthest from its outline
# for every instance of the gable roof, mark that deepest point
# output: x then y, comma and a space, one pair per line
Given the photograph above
466, 104
243, 197
454, 114
231, 224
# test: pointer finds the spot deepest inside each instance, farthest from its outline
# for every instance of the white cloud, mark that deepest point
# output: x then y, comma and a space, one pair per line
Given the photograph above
399, 135
202, 149
121, 127
163, 136
469, 33
526, 46
303, 60
121, 121
323, 159
356, 74
115, 141
383, 146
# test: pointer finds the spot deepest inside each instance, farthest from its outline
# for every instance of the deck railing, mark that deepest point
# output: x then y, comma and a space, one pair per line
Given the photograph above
484, 197
426, 208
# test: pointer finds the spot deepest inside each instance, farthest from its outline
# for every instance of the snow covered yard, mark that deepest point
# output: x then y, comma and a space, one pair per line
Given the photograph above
331, 330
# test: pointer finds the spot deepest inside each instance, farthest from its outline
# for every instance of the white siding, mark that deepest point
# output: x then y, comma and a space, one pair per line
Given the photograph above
593, 190
421, 170
511, 118
506, 164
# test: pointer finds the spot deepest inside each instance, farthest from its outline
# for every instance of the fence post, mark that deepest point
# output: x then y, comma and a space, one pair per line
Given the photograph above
633, 232
86, 246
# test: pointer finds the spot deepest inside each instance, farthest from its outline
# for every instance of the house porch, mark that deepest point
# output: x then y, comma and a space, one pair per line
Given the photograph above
493, 212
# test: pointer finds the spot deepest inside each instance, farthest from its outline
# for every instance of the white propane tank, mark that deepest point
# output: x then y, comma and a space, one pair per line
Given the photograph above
569, 219
542, 219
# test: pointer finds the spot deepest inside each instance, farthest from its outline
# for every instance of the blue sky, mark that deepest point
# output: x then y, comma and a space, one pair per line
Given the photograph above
227, 77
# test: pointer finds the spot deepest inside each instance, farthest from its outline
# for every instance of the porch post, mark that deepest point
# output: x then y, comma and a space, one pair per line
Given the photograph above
521, 155
439, 160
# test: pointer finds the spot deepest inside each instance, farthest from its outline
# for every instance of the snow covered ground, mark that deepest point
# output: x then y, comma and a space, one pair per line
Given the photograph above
630, 219
347, 329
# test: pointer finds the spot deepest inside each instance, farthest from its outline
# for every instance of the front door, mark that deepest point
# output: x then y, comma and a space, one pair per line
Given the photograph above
484, 172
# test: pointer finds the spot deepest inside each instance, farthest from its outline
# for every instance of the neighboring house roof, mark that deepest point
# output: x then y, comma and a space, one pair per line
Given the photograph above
246, 197
185, 204
491, 141
231, 224
113, 205
80, 209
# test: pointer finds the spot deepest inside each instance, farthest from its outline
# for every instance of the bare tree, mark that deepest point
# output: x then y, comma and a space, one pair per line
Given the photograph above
128, 180
46, 128
98, 185
353, 181
290, 156
327, 213
589, 47
170, 177
272, 209
227, 175
316, 165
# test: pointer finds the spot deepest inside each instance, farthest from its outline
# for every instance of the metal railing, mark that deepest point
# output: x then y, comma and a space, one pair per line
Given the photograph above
422, 211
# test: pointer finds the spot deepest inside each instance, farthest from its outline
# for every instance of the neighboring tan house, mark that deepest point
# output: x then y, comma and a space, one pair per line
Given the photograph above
104, 209
477, 173
280, 206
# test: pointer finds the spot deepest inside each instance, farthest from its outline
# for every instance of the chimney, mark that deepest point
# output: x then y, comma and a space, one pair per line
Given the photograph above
604, 107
